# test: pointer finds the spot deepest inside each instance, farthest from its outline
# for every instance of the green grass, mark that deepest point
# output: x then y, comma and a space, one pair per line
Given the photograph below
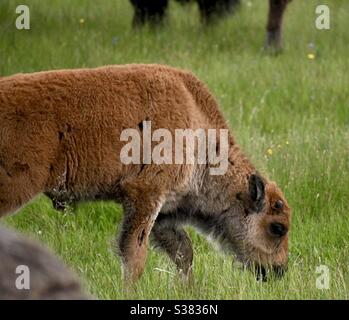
296, 106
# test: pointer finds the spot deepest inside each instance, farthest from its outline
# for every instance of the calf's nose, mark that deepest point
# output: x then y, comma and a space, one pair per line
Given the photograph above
278, 229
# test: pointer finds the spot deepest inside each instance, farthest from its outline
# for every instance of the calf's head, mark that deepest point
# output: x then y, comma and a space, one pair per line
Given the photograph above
261, 234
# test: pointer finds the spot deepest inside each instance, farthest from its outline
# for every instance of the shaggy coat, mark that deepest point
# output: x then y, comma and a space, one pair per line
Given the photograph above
48, 277
60, 134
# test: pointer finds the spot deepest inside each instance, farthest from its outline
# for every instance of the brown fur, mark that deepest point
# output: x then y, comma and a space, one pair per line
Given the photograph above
60, 134
49, 278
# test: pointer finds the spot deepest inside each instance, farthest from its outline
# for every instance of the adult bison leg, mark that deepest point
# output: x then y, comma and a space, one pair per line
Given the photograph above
139, 17
211, 9
274, 26
148, 11
176, 243
157, 12
141, 207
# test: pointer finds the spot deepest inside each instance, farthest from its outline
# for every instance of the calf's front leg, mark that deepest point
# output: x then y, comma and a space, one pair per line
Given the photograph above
141, 208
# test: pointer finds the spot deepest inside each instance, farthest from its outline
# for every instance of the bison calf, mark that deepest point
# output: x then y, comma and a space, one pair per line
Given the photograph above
28, 271
63, 133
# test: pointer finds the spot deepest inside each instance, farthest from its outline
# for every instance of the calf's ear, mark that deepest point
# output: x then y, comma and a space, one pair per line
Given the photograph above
257, 192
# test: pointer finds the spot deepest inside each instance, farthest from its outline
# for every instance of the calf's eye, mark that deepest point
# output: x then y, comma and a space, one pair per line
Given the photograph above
278, 204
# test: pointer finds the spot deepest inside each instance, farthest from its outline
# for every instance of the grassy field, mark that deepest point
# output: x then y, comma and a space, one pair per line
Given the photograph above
293, 105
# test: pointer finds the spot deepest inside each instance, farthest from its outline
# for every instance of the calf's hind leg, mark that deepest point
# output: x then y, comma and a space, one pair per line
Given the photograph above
175, 242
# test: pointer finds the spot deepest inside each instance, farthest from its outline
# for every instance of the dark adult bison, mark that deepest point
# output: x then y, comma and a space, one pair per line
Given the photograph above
154, 11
